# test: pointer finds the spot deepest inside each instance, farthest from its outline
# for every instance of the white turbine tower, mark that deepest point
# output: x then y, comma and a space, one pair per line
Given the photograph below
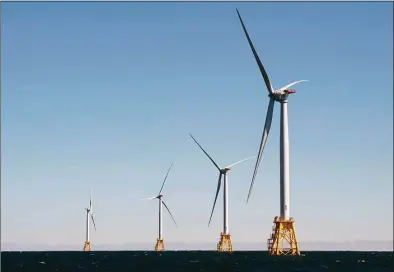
89, 215
283, 225
160, 242
225, 243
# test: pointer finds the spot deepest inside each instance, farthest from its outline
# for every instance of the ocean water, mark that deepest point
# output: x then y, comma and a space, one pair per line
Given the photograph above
150, 261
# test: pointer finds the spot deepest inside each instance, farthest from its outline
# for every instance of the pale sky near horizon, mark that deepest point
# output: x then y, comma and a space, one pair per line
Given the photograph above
103, 96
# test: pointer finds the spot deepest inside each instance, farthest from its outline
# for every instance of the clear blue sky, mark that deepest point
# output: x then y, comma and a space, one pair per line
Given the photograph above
103, 95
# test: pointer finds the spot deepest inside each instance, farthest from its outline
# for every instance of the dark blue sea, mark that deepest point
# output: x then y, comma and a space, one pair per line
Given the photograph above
117, 261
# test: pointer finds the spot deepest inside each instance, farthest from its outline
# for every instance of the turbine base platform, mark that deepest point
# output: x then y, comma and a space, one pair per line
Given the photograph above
87, 246
283, 240
225, 244
159, 245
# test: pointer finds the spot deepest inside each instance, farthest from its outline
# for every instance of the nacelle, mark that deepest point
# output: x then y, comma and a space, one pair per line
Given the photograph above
289, 91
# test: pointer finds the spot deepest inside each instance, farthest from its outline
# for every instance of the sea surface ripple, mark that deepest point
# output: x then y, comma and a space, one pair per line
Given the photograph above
150, 261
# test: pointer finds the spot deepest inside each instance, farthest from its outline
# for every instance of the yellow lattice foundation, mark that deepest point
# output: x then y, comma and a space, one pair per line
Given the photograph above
225, 244
86, 246
159, 245
283, 240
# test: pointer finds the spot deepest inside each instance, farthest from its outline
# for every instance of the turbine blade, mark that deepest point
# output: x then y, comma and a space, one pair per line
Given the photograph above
216, 197
217, 166
165, 205
94, 224
291, 84
90, 200
267, 127
240, 161
165, 178
262, 70
149, 198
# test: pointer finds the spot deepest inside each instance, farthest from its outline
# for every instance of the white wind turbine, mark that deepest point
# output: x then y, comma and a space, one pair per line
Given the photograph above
279, 95
89, 211
222, 173
160, 242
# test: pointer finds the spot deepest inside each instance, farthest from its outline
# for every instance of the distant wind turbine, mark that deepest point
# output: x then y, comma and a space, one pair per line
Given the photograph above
87, 245
160, 242
225, 243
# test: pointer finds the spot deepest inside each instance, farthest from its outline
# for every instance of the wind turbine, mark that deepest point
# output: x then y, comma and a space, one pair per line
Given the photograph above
225, 243
160, 242
283, 225
87, 245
